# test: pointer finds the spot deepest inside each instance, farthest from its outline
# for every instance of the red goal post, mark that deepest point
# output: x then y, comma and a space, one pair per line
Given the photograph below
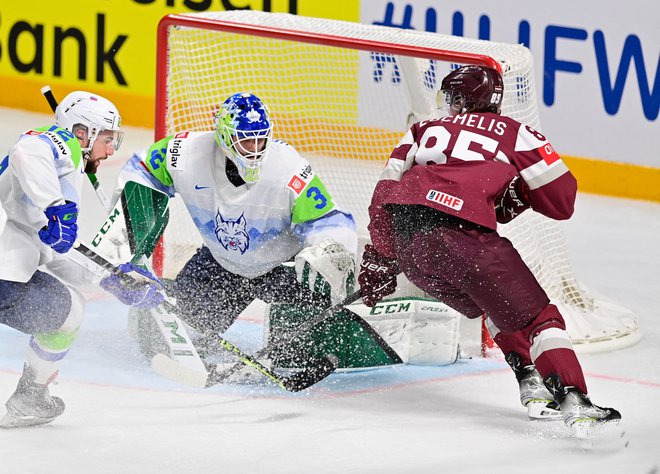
343, 94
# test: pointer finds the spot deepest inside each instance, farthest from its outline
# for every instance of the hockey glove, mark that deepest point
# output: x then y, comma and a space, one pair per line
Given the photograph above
62, 229
377, 275
513, 202
326, 268
145, 292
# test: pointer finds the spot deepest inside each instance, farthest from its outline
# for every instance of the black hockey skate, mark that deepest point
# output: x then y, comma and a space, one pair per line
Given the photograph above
539, 402
31, 404
595, 427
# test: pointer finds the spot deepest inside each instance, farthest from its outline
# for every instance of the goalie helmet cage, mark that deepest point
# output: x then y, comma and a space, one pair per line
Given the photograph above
343, 94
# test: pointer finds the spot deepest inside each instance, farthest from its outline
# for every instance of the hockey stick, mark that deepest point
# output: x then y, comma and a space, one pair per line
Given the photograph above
100, 193
316, 372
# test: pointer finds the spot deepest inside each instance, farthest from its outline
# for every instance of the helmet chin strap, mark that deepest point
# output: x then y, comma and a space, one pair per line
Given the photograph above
91, 138
86, 151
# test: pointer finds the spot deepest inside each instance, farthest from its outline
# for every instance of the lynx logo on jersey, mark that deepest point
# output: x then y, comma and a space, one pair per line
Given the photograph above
446, 200
232, 235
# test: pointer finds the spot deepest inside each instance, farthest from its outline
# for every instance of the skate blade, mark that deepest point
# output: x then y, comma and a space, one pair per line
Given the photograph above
11, 420
604, 437
539, 410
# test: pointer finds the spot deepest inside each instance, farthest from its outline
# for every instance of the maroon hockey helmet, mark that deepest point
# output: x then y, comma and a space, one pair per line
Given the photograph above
472, 89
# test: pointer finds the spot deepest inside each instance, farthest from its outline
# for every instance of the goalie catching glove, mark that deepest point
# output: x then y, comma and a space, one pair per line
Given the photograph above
146, 291
377, 276
326, 268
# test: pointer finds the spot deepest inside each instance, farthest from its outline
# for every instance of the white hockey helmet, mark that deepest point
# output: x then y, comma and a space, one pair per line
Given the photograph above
240, 125
91, 111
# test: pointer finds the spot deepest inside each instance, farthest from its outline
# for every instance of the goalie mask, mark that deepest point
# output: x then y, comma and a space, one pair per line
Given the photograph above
243, 130
471, 89
91, 112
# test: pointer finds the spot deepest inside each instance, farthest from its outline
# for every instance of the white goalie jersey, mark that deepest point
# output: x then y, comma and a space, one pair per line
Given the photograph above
251, 228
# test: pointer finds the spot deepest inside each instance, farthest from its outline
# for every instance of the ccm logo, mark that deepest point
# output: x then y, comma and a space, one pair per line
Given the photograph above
446, 200
374, 267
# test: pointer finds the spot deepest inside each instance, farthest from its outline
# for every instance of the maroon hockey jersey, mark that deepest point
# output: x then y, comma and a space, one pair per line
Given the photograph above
461, 165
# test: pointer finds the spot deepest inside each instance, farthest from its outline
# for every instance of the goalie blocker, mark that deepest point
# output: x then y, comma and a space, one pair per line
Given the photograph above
420, 331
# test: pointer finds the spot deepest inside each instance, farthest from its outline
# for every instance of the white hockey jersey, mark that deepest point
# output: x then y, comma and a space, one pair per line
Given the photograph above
43, 168
252, 228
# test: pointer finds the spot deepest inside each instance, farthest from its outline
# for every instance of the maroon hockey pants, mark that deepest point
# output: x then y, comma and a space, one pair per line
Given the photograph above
473, 272
477, 272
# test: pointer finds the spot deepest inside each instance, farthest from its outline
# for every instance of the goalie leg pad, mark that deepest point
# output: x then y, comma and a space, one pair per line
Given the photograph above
351, 343
421, 331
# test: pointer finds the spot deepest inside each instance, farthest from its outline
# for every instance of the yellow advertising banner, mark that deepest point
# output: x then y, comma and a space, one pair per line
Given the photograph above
107, 47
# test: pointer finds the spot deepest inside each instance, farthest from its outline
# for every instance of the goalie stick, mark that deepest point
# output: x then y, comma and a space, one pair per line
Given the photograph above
314, 373
317, 370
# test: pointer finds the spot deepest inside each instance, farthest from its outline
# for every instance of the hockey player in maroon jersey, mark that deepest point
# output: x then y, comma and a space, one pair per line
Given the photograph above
434, 216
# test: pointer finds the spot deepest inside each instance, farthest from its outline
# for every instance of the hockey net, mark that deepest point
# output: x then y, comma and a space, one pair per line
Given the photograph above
343, 94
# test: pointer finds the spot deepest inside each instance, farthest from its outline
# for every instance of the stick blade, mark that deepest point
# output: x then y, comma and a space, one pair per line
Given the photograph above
316, 371
171, 369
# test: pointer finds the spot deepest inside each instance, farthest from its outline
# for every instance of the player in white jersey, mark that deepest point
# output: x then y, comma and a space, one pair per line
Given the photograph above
40, 189
257, 204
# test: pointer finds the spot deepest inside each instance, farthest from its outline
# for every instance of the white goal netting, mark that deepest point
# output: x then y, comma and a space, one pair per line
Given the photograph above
343, 94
